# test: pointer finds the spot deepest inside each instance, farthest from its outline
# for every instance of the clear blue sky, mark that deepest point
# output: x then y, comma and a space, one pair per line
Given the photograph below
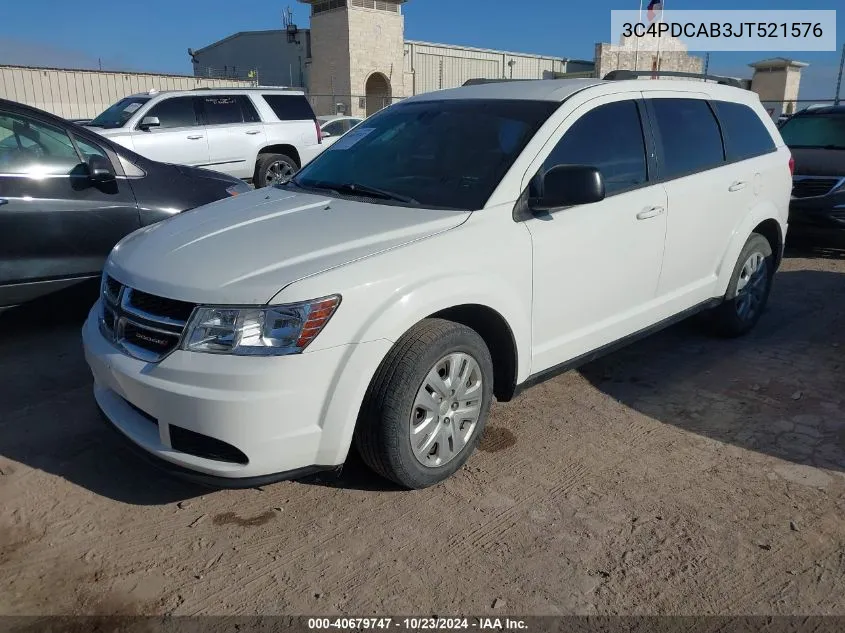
154, 35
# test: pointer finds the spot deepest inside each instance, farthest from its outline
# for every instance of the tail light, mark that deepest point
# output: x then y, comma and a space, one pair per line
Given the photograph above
319, 131
791, 166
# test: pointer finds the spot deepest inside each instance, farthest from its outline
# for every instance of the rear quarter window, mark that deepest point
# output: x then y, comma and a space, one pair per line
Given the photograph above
689, 134
290, 107
745, 134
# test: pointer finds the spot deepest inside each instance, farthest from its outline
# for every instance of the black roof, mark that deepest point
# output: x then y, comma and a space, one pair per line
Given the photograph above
831, 109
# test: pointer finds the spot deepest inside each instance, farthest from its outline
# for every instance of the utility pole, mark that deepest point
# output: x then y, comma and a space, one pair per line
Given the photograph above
839, 79
706, 63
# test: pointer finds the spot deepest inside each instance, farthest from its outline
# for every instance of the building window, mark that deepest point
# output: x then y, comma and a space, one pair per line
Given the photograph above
379, 5
326, 5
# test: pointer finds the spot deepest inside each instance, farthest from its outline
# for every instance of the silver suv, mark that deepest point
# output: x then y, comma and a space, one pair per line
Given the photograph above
259, 134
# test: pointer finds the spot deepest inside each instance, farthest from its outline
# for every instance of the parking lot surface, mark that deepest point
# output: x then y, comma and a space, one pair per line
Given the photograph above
682, 475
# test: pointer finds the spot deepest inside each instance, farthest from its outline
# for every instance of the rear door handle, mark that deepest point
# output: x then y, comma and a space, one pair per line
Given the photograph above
737, 186
195, 137
251, 132
651, 212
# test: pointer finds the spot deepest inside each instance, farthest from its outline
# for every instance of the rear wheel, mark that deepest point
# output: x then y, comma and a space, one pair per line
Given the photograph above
271, 169
427, 405
748, 291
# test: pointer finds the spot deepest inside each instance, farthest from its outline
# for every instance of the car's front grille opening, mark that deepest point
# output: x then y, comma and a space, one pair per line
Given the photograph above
200, 445
113, 287
160, 306
143, 414
813, 187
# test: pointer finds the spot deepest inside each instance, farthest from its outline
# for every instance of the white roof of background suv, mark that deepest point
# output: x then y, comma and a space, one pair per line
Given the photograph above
560, 89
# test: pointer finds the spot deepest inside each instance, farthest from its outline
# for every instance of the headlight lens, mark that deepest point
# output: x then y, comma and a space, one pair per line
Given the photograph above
259, 331
240, 188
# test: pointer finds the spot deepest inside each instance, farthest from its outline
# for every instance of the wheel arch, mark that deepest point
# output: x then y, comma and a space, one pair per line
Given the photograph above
282, 148
761, 219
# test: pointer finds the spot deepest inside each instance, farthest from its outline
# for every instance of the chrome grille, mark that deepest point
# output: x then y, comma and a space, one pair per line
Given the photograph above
814, 186
145, 326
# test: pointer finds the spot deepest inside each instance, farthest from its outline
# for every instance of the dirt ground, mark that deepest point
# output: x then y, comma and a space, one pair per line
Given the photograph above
683, 475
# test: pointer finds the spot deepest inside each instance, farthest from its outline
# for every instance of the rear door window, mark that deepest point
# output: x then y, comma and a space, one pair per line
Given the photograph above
689, 137
290, 107
745, 134
175, 112
222, 109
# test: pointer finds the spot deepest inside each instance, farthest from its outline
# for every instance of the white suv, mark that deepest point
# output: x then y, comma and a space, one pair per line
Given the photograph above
457, 246
262, 134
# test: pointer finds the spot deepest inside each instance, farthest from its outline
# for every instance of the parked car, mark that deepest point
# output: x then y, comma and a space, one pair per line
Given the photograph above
459, 245
67, 196
259, 134
333, 127
816, 137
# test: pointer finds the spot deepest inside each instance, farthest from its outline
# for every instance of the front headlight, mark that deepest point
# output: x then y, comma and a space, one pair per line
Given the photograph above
258, 331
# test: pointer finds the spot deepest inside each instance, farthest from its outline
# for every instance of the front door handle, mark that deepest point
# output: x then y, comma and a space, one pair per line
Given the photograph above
251, 132
651, 212
3, 201
195, 137
737, 186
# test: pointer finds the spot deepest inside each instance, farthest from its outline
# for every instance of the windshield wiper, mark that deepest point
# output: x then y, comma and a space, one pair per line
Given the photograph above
360, 190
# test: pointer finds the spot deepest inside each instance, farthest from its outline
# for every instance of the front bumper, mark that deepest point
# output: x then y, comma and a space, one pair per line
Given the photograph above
285, 415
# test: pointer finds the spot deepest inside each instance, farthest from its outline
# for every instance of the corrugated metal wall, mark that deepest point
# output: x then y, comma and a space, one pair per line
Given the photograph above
438, 66
76, 94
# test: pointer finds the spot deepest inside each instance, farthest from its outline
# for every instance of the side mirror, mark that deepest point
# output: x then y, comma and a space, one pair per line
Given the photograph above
567, 186
326, 134
147, 122
100, 169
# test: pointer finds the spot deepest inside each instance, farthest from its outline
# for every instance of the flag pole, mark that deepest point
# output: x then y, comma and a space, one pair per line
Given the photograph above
637, 52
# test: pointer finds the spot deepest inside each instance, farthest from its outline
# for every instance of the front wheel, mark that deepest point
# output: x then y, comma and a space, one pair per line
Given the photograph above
748, 290
427, 405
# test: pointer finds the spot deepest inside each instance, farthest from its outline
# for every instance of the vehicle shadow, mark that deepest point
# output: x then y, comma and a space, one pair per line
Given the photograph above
48, 419
816, 245
780, 390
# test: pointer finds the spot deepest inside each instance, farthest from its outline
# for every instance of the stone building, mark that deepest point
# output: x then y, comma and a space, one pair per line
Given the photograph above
631, 54
777, 81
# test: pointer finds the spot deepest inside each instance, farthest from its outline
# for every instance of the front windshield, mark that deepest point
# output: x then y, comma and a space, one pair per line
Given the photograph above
438, 154
815, 130
118, 114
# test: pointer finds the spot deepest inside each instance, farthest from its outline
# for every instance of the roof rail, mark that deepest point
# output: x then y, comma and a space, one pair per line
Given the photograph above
291, 88
617, 75
479, 81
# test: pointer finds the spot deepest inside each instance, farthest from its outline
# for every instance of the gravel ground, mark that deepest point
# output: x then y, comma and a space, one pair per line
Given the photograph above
682, 475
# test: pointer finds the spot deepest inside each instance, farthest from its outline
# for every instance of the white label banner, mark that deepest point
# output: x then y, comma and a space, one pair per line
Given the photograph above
745, 30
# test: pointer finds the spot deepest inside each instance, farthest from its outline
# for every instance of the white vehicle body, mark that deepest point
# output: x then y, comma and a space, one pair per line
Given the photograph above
228, 129
333, 127
544, 290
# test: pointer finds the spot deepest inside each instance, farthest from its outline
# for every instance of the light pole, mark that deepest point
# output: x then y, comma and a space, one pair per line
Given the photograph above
839, 79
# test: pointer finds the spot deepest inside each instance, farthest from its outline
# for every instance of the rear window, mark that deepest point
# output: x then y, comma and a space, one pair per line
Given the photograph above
689, 135
826, 131
745, 134
290, 107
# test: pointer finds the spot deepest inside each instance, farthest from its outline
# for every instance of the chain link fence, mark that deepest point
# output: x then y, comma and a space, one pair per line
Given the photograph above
349, 105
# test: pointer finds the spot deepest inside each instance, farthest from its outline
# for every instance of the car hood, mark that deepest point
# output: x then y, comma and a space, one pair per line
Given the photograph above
818, 162
244, 249
108, 132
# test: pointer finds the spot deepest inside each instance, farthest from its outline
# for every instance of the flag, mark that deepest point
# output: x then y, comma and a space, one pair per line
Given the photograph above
654, 9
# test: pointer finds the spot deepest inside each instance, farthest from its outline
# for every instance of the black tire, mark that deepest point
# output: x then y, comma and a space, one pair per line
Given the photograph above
730, 319
262, 165
382, 435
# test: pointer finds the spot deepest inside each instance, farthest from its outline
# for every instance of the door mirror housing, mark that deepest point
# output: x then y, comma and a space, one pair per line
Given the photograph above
325, 134
100, 169
568, 186
147, 122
